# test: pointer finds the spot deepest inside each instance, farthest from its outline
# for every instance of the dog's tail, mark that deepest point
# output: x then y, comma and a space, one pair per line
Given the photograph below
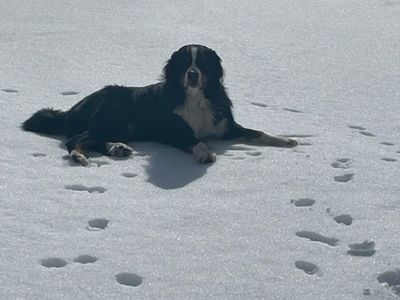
47, 121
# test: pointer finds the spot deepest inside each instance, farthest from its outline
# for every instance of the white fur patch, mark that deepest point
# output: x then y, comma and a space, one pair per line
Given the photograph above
193, 53
202, 154
197, 112
118, 149
78, 157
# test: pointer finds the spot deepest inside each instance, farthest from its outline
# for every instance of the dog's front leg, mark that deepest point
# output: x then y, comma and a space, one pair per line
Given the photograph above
255, 137
180, 135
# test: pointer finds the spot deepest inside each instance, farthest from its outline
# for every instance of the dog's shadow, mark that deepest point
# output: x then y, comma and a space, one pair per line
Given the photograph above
169, 168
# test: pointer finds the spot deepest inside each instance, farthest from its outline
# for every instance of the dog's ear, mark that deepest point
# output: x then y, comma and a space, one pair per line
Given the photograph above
217, 63
169, 69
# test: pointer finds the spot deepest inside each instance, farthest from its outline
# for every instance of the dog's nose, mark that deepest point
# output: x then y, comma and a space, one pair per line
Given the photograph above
193, 75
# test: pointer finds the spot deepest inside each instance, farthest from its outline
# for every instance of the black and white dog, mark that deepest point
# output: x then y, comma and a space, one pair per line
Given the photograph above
189, 105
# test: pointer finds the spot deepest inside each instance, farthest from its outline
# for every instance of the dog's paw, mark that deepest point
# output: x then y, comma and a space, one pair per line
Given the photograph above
79, 158
291, 143
118, 149
202, 154
276, 141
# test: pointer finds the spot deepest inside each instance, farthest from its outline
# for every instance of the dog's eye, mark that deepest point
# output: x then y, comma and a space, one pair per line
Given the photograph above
201, 63
185, 61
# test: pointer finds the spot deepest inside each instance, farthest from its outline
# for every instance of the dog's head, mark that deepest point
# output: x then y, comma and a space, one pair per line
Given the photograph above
194, 67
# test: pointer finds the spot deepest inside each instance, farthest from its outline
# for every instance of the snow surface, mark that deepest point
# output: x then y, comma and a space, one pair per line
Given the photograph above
160, 226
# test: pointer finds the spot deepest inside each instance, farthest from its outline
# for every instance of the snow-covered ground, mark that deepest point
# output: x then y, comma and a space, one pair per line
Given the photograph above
262, 223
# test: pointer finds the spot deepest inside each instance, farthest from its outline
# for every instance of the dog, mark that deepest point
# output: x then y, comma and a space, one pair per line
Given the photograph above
187, 106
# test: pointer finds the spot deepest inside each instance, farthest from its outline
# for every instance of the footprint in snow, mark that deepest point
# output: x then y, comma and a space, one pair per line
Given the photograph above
356, 127
10, 91
53, 262
293, 110
129, 279
81, 188
129, 175
344, 178
303, 202
37, 154
69, 93
98, 224
387, 144
391, 279
259, 104
85, 259
316, 237
308, 267
365, 248
361, 130
344, 219
341, 163
367, 133
366, 292
389, 159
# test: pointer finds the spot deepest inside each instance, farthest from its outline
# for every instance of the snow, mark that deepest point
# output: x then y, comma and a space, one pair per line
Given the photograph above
160, 226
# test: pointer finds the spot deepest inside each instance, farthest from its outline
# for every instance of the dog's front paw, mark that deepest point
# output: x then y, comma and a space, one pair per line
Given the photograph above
291, 143
202, 154
79, 158
119, 149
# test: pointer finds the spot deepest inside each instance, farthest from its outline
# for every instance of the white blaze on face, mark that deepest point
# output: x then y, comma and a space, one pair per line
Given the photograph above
193, 53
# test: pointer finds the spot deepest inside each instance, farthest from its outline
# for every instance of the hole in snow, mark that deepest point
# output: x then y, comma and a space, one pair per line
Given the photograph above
259, 104
389, 159
344, 219
387, 144
85, 259
344, 178
365, 248
37, 154
130, 279
10, 91
293, 110
341, 163
129, 175
357, 127
303, 202
392, 280
306, 266
99, 223
367, 133
53, 262
316, 237
69, 93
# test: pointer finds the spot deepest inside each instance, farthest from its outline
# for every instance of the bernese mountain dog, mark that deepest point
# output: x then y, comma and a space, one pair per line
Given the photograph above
189, 105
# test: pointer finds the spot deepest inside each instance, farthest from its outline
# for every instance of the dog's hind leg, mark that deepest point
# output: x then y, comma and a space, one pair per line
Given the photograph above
79, 145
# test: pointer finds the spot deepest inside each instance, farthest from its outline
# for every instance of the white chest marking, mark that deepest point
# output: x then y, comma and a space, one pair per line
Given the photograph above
197, 112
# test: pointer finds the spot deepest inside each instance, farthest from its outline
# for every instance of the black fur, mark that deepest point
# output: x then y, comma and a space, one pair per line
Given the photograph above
126, 114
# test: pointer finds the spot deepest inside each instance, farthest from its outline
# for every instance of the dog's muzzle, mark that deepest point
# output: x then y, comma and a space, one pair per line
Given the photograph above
193, 78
